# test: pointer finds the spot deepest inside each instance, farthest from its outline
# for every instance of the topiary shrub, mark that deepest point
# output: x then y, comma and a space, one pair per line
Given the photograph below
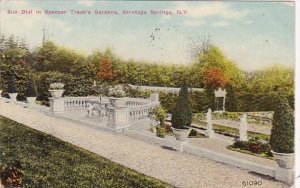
11, 87
158, 114
182, 114
31, 90
282, 132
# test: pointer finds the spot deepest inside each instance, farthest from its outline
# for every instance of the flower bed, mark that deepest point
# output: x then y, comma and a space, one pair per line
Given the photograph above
253, 147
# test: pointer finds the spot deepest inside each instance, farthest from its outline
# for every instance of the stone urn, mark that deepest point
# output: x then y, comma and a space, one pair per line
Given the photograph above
118, 102
31, 100
284, 160
56, 93
13, 96
181, 134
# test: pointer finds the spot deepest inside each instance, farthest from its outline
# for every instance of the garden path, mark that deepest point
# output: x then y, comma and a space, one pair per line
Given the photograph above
179, 169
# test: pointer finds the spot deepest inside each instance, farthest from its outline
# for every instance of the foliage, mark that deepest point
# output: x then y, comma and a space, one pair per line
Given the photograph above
116, 91
31, 90
105, 73
56, 86
11, 174
182, 114
158, 114
195, 134
14, 77
74, 86
282, 132
160, 131
214, 78
254, 146
49, 162
246, 91
11, 88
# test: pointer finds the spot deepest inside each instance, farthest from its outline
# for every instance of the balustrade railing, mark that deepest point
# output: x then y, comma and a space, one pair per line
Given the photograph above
141, 112
77, 103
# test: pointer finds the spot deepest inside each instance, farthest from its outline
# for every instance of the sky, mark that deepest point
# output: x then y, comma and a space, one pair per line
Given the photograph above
254, 35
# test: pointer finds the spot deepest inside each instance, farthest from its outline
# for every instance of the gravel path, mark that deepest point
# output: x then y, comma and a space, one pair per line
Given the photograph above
179, 169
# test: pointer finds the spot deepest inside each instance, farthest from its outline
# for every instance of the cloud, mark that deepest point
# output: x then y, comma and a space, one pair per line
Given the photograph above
86, 3
221, 24
204, 9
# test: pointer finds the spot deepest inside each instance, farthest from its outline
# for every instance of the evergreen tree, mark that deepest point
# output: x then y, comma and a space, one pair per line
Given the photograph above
31, 90
182, 114
11, 88
282, 133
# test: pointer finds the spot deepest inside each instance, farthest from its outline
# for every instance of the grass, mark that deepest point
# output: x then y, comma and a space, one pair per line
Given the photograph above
49, 162
232, 132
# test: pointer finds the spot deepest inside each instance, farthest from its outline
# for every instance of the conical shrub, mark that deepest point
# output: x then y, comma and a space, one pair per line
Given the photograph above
182, 114
31, 90
282, 133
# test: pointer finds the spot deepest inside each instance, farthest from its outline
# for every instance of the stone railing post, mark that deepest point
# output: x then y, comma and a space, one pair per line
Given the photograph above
154, 97
57, 105
118, 118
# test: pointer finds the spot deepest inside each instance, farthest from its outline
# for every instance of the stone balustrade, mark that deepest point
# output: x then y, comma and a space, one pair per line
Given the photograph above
77, 103
141, 112
136, 109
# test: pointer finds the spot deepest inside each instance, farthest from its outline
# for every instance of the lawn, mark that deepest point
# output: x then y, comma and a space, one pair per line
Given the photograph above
229, 131
49, 162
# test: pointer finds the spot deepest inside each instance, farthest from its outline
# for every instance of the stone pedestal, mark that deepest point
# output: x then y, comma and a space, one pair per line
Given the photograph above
57, 105
154, 97
179, 145
284, 174
117, 118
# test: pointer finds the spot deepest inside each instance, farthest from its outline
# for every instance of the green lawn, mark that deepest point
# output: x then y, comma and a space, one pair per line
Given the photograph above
229, 131
49, 162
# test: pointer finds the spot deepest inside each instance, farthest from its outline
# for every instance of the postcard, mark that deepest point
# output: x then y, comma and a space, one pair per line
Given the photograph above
148, 94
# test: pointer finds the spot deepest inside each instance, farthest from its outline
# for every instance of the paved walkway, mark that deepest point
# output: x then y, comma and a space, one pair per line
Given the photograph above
179, 169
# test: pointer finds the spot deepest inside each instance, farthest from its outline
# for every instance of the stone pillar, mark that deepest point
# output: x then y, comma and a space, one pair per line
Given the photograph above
118, 118
57, 105
209, 128
154, 97
243, 128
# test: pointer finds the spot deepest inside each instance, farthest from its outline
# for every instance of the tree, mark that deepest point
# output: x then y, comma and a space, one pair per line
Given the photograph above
182, 114
31, 90
214, 78
11, 87
282, 132
105, 73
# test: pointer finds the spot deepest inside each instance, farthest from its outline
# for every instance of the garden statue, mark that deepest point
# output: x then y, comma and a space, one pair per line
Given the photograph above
243, 128
209, 129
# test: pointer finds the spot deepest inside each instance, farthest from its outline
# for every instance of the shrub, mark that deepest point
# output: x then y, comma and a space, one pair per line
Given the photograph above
11, 87
182, 114
282, 132
116, 91
160, 132
57, 86
158, 114
11, 174
193, 132
31, 90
